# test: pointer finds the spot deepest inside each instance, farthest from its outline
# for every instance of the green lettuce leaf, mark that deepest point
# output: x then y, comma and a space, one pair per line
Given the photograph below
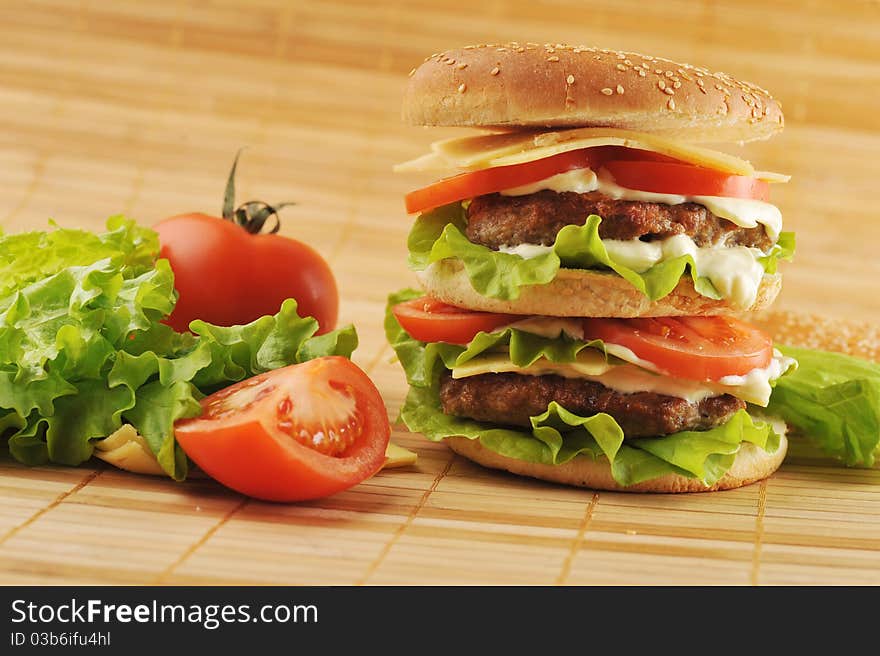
557, 435
440, 234
31, 256
834, 401
83, 349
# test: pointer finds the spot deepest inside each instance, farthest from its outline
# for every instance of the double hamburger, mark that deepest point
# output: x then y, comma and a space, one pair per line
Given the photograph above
584, 263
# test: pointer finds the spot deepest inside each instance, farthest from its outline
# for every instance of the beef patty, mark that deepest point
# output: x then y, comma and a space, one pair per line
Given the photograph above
510, 398
495, 220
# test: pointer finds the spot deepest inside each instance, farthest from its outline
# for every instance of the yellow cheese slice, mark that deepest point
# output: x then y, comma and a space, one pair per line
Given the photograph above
590, 362
508, 148
397, 456
770, 176
128, 450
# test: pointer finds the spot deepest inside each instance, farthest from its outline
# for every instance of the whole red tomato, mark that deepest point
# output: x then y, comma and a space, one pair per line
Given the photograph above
227, 273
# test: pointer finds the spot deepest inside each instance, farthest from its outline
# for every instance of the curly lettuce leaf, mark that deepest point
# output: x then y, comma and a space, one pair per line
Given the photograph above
834, 401
557, 435
31, 256
83, 349
440, 234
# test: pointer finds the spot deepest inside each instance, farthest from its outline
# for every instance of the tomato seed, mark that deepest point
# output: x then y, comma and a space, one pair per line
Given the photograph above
285, 407
328, 440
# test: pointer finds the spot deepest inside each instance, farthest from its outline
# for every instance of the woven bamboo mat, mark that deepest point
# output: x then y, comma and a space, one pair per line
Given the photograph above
139, 107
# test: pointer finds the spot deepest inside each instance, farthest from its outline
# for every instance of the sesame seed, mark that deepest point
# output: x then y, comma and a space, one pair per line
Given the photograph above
668, 91
641, 73
495, 71
676, 84
412, 72
627, 62
461, 66
700, 82
570, 79
661, 84
670, 103
597, 57
554, 58
658, 71
450, 61
620, 89
669, 74
607, 91
621, 67
462, 87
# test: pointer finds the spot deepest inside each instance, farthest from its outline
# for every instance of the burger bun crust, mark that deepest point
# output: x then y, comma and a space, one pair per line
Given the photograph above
530, 85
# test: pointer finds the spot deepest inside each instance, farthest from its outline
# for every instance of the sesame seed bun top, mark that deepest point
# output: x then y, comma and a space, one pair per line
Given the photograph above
559, 86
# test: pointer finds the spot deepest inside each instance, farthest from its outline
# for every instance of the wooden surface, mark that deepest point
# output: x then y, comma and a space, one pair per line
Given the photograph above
139, 107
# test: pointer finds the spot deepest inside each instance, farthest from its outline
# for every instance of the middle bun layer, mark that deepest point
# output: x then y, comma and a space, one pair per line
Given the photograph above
585, 293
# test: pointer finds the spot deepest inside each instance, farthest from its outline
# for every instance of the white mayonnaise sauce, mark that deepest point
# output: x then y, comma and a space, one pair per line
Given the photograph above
734, 271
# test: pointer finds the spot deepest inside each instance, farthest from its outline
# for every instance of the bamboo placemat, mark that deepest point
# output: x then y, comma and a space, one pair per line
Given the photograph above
139, 108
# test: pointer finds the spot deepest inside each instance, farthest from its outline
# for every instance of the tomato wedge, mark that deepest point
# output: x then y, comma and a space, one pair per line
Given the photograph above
695, 348
300, 432
684, 179
488, 181
429, 320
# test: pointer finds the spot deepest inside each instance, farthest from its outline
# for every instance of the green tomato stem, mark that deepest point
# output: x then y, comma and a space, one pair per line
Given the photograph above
253, 214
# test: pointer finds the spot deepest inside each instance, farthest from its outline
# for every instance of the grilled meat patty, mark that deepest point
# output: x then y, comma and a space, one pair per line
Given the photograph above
510, 398
495, 220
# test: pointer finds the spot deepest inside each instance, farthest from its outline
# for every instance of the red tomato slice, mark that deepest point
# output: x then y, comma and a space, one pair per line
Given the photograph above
696, 348
301, 432
668, 177
429, 320
488, 181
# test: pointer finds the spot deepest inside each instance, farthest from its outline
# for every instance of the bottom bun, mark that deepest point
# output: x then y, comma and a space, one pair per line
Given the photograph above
752, 464
585, 293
